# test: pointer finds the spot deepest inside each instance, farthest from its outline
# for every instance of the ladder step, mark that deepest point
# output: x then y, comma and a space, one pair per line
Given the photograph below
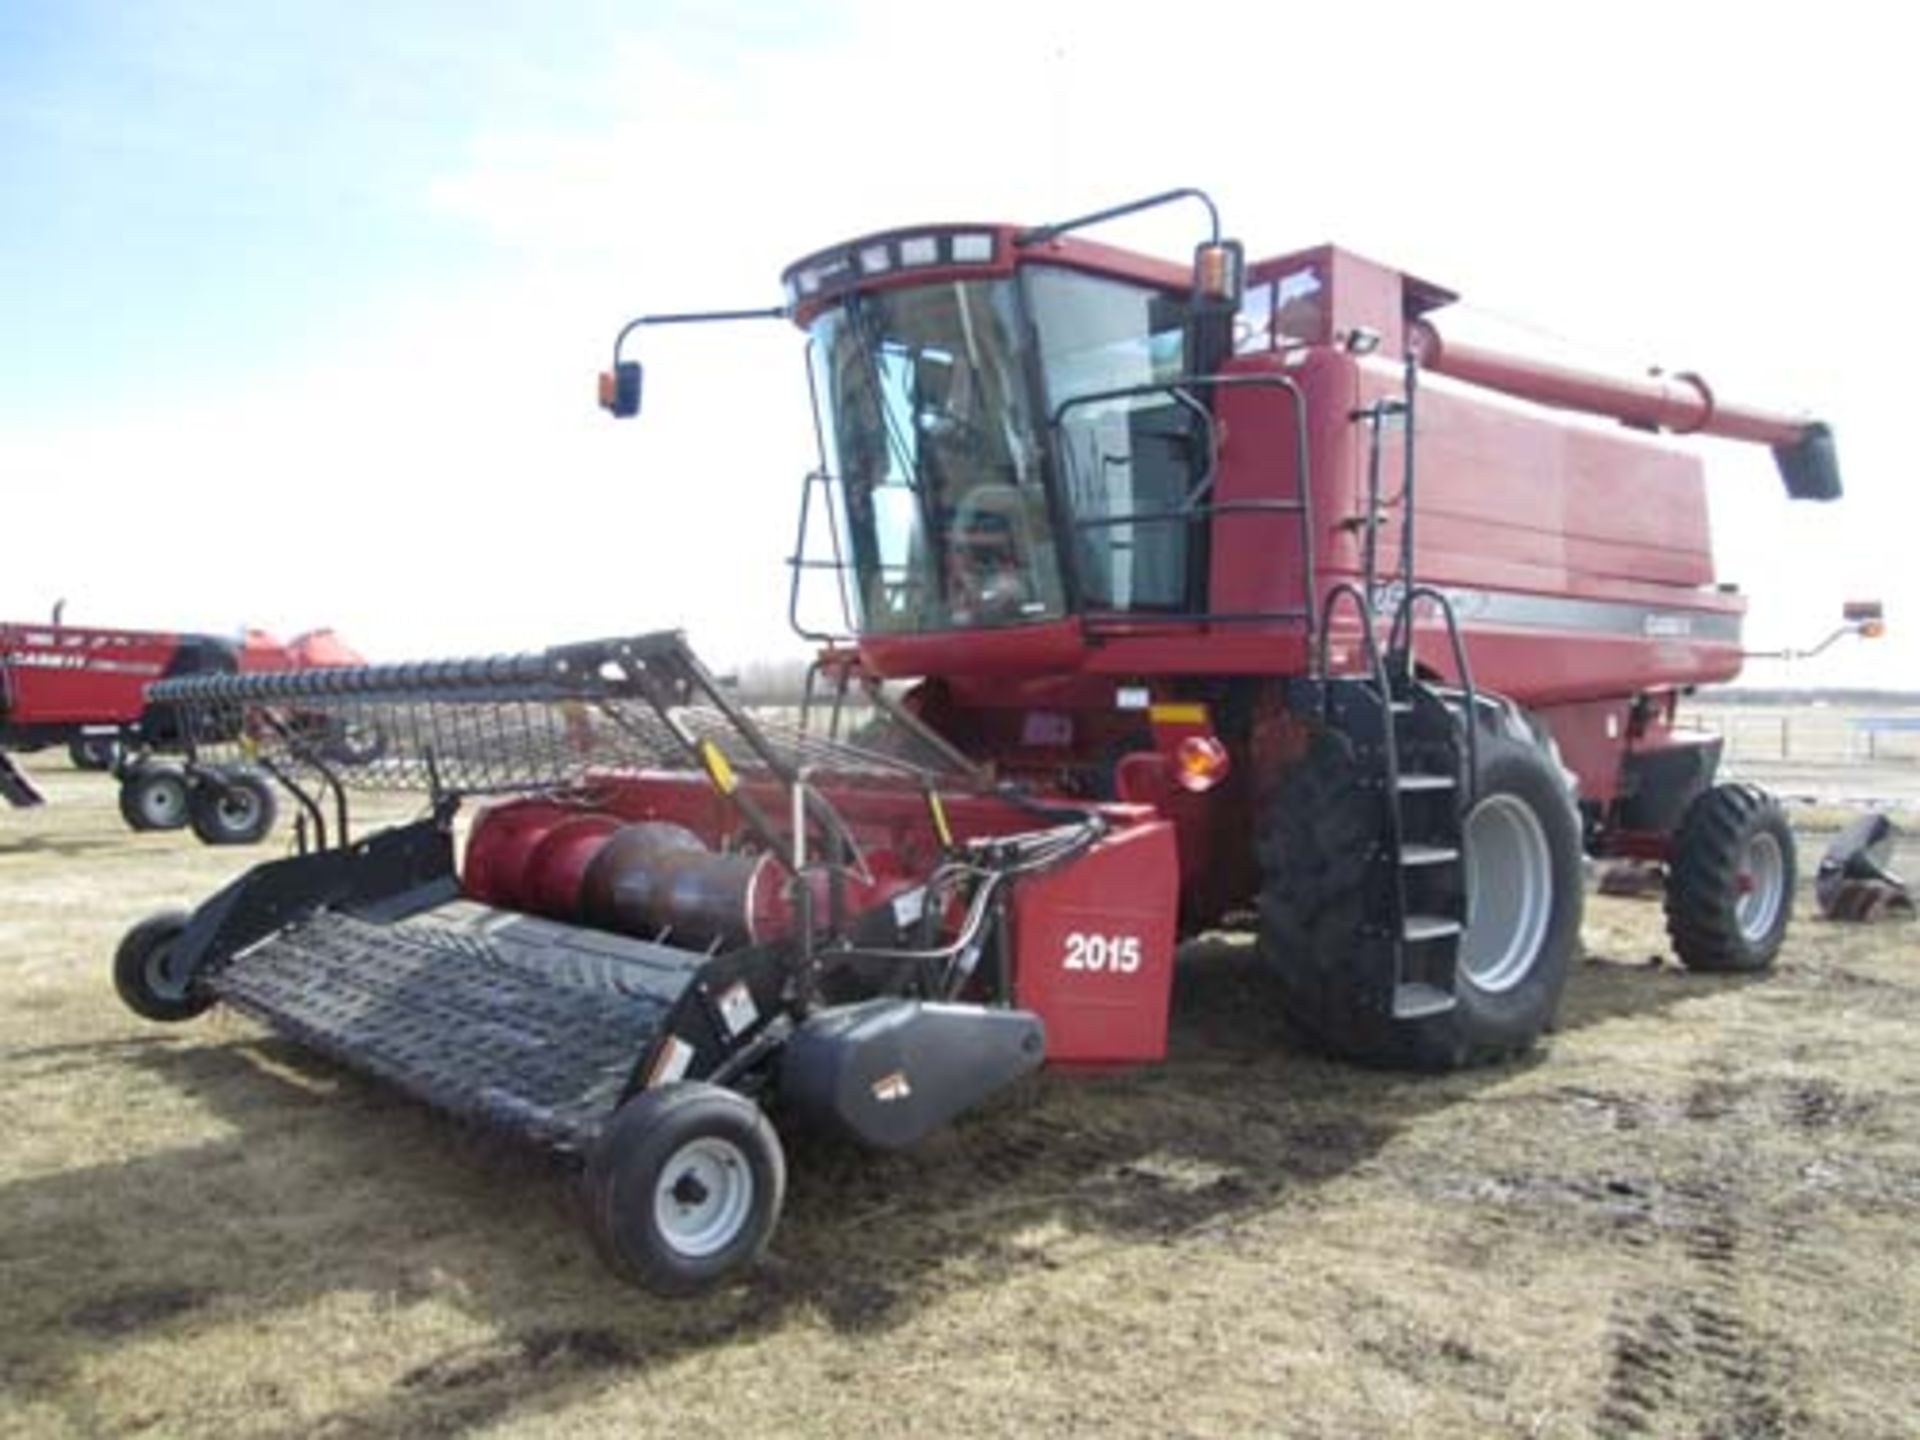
1428, 854
1426, 782
1415, 1001
1429, 927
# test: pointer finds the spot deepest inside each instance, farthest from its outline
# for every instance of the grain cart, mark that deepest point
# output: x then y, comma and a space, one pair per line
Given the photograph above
84, 687
1171, 595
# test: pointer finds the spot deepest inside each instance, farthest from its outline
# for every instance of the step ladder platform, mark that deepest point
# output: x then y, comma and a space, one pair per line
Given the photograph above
1419, 928
1419, 782
1412, 855
1415, 1001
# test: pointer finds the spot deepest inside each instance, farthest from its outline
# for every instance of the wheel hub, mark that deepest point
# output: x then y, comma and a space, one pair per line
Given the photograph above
704, 1197
1509, 876
1759, 887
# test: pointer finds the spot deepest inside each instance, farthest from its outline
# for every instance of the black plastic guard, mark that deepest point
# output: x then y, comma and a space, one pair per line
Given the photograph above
890, 1072
1657, 786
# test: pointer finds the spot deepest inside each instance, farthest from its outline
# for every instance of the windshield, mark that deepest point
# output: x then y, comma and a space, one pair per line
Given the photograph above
930, 426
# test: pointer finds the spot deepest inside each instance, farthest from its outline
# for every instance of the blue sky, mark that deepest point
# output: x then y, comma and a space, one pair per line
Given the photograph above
305, 300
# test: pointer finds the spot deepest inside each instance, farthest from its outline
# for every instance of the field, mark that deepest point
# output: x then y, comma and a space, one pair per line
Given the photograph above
1696, 1212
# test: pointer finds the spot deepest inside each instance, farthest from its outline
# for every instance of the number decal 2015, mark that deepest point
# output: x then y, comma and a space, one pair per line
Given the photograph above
1103, 954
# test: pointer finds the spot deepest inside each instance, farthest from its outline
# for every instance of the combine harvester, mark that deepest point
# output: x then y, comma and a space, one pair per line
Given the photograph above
1222, 590
84, 687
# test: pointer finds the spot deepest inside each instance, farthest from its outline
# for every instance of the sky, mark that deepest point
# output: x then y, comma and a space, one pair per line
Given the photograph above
301, 304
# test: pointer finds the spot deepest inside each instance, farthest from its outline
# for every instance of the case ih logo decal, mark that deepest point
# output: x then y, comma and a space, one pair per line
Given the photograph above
73, 660
51, 651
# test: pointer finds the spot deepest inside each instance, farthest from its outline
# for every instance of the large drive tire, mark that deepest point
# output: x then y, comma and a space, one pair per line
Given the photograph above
684, 1187
1523, 877
93, 752
154, 797
145, 978
232, 807
1730, 882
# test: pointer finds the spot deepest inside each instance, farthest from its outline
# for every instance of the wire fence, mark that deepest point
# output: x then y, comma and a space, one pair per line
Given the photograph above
1812, 734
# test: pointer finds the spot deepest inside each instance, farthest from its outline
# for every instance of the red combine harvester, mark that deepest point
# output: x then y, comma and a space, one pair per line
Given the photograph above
1215, 591
84, 687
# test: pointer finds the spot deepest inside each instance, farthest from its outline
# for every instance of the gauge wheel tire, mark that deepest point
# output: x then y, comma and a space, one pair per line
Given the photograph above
146, 980
93, 752
232, 807
1336, 982
155, 797
684, 1187
1730, 881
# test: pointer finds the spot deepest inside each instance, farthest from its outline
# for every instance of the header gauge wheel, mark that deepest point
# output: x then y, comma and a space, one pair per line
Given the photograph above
685, 1187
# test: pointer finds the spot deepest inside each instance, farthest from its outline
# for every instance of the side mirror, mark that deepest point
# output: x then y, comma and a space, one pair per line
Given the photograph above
620, 390
1867, 617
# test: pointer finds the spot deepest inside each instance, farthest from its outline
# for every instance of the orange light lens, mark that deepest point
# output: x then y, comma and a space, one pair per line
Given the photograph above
606, 389
1200, 763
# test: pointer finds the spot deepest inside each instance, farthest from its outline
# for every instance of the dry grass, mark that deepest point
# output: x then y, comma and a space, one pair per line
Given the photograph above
1695, 1213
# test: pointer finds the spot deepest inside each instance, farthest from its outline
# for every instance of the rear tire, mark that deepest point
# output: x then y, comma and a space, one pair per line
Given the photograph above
154, 797
93, 752
1314, 905
1730, 882
232, 807
684, 1188
145, 978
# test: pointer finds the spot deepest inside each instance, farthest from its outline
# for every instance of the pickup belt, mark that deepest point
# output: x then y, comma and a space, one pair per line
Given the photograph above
527, 1026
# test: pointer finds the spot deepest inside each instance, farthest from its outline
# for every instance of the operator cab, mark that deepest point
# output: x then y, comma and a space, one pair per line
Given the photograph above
997, 409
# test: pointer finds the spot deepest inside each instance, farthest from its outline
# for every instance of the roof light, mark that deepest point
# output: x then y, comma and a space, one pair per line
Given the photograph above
920, 250
973, 249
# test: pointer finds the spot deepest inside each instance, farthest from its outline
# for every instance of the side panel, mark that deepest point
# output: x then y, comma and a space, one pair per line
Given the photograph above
65, 675
1093, 948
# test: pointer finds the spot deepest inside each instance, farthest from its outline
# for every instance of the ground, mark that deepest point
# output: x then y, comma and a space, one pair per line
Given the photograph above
1695, 1212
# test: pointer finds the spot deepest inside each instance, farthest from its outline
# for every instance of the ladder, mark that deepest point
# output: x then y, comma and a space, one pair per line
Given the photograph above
1415, 744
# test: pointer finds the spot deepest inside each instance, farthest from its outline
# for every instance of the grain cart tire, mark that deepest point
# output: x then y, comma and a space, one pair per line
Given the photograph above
684, 1187
154, 797
232, 807
93, 752
353, 742
1522, 852
143, 977
1730, 881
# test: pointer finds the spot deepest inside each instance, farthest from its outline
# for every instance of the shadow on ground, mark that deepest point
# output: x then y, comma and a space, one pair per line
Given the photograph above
330, 1184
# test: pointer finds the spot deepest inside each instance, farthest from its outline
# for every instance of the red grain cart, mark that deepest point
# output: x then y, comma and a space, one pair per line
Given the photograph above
84, 687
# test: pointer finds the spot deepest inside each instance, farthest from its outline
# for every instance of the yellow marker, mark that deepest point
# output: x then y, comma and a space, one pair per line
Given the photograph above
718, 770
1177, 714
942, 831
